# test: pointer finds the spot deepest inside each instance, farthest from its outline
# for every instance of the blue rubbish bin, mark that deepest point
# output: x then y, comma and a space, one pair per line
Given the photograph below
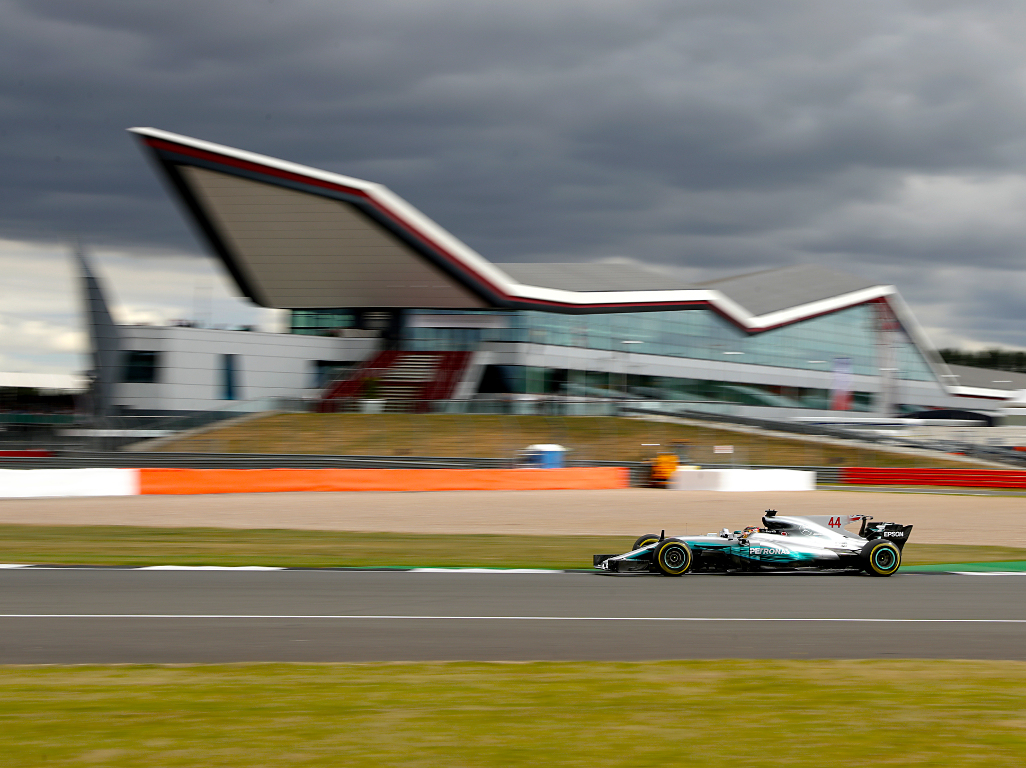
545, 456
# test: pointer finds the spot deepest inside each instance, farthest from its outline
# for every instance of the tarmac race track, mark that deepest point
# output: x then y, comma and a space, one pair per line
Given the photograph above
75, 616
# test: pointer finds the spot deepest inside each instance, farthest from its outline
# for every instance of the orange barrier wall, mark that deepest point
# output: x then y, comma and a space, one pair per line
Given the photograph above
193, 481
965, 478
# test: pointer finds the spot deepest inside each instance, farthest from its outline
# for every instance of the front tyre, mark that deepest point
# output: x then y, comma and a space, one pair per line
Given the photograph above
880, 558
673, 557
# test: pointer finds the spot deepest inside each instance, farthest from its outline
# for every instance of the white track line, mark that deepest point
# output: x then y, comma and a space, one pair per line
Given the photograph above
401, 617
206, 568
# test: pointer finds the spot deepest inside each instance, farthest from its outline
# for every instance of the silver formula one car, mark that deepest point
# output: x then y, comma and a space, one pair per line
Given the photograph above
815, 542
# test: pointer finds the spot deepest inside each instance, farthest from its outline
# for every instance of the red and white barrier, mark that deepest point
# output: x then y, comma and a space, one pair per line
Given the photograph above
42, 483
736, 480
951, 477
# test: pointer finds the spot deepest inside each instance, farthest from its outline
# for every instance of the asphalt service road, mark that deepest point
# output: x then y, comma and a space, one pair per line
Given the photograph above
79, 616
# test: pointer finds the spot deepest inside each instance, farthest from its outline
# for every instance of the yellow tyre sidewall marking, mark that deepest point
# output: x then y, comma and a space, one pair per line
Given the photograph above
669, 569
897, 559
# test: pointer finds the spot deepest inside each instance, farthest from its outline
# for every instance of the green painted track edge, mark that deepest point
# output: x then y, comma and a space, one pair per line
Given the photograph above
1002, 566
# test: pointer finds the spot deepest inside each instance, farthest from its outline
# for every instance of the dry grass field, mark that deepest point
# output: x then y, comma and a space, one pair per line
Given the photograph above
586, 437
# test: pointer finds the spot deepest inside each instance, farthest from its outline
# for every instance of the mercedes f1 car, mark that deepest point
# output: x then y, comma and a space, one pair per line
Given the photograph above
814, 542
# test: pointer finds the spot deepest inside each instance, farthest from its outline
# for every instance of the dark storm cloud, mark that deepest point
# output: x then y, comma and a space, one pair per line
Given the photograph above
882, 137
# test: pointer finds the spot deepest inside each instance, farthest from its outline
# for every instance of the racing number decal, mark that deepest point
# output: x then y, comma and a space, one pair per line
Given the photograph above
835, 522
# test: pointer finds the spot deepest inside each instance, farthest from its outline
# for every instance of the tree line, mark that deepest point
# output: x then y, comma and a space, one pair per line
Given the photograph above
996, 359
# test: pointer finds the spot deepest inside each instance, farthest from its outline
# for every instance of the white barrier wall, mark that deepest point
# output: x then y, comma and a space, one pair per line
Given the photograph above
736, 480
42, 483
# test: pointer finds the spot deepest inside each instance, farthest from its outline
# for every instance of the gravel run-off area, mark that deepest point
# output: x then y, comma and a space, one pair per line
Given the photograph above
938, 518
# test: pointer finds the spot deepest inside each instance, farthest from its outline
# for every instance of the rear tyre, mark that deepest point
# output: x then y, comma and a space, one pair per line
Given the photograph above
880, 558
644, 541
673, 557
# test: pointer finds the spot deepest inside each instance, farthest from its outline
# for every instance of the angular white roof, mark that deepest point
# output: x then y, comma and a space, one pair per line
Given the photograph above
296, 237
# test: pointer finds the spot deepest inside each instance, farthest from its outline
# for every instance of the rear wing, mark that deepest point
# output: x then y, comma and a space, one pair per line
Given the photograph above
894, 532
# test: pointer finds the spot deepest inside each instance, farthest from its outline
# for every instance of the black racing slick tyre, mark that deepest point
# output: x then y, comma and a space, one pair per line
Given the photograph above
880, 558
644, 541
673, 557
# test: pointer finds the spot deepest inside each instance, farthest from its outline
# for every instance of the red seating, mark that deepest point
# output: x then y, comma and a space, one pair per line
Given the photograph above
405, 380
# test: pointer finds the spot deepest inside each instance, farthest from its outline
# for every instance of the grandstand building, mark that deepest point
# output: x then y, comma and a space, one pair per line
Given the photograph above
385, 305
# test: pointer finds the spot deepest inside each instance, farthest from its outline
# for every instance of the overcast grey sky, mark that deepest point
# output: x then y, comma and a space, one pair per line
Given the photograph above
711, 137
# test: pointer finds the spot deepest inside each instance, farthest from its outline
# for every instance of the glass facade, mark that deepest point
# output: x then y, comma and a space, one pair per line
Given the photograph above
229, 376
699, 334
528, 380
321, 322
139, 367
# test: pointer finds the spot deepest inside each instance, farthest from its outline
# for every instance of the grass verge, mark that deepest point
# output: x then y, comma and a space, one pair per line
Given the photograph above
694, 713
586, 437
129, 545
